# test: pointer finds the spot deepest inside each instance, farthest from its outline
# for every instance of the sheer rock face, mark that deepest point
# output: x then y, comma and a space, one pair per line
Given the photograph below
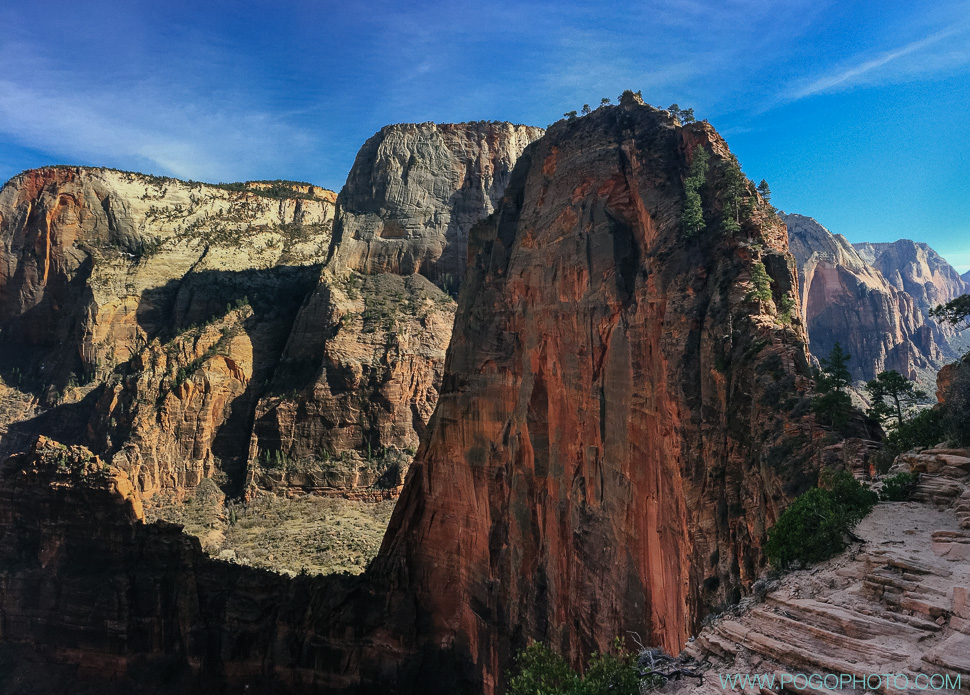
916, 269
925, 276
104, 273
353, 404
371, 340
86, 254
415, 191
612, 439
846, 299
596, 463
203, 334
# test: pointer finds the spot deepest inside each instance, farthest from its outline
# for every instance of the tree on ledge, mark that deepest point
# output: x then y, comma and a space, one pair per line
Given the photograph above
956, 312
765, 190
892, 394
833, 404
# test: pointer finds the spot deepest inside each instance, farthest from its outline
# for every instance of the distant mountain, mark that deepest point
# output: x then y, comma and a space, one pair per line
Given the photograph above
966, 277
846, 299
926, 276
916, 269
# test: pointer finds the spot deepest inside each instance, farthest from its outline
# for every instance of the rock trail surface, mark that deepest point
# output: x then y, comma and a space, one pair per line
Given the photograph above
895, 603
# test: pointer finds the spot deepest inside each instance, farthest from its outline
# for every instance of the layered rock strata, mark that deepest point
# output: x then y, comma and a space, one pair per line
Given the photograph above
185, 330
144, 314
924, 275
896, 603
846, 299
916, 269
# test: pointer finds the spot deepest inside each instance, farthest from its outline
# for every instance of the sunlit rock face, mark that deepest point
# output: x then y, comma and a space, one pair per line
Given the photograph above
846, 299
598, 459
415, 191
145, 313
360, 375
924, 275
617, 422
187, 331
916, 269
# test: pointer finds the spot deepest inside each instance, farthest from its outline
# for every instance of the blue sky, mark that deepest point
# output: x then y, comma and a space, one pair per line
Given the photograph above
855, 112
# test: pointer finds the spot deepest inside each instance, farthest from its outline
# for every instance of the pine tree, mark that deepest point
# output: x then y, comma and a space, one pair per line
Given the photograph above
693, 213
764, 190
833, 404
954, 312
733, 186
892, 394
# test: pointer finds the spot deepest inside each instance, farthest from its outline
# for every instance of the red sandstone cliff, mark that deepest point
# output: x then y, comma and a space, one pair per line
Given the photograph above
618, 425
600, 460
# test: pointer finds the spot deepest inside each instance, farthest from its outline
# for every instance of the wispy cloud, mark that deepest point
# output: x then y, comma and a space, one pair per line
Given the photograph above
867, 67
156, 123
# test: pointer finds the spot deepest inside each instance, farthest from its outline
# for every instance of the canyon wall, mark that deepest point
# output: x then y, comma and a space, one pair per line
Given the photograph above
415, 191
186, 331
614, 432
120, 606
924, 275
364, 361
846, 299
916, 269
142, 314
621, 418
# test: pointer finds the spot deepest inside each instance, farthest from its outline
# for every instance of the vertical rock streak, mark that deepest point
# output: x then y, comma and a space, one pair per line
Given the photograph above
574, 484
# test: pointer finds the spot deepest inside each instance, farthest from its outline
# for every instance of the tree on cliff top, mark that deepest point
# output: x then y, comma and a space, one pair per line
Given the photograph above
685, 116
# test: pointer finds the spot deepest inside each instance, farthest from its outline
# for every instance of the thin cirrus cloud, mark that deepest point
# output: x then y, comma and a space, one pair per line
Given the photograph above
150, 124
950, 50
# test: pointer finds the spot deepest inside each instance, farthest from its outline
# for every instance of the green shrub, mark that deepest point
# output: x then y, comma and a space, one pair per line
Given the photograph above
813, 527
898, 488
543, 672
612, 673
922, 431
786, 308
